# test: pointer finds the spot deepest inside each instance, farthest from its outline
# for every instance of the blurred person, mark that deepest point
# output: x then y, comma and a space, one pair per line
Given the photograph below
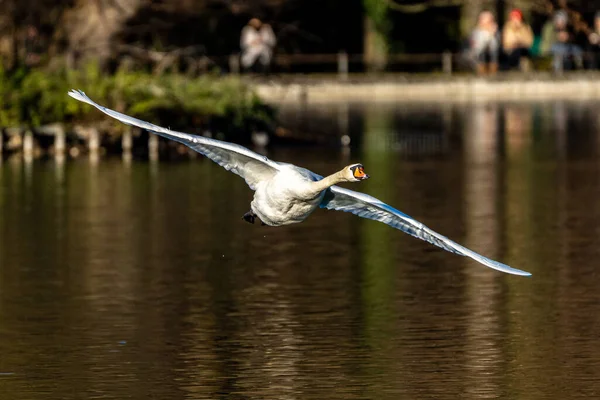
564, 50
517, 39
547, 34
485, 43
257, 42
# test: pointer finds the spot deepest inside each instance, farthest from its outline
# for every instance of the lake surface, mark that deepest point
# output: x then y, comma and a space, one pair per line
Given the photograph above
135, 279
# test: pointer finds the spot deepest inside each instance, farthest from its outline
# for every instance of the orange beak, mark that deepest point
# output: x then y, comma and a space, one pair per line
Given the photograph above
359, 173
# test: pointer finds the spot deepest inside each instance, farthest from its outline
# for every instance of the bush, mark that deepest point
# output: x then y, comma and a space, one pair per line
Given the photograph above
220, 104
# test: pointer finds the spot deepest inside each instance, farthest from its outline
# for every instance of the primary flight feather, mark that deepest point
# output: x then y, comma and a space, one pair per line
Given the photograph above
286, 194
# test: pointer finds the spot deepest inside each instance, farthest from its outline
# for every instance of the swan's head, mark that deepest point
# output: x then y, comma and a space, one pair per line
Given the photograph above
355, 173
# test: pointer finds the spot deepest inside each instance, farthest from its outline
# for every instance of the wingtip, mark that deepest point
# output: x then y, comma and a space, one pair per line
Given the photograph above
515, 271
78, 95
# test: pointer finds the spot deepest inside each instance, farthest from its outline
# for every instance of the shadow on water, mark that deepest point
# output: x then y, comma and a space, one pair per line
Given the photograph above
126, 279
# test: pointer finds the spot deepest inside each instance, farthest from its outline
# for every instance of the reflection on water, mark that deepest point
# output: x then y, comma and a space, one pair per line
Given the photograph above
127, 279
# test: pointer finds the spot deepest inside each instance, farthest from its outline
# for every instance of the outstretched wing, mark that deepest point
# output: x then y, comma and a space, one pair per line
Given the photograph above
337, 198
235, 158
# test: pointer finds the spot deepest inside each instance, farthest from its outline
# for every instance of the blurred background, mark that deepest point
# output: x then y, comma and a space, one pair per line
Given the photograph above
126, 270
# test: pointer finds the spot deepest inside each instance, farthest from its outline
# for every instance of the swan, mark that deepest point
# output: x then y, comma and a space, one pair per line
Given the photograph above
286, 194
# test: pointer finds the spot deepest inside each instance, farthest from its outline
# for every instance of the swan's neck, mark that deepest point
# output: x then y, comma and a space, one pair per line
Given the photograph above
328, 181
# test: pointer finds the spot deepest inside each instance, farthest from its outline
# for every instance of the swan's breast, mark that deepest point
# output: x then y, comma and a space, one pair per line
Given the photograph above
285, 199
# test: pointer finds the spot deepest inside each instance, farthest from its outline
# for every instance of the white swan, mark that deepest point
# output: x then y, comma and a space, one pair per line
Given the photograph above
287, 194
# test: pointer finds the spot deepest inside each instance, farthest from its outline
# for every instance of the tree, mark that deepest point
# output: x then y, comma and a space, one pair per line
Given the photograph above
27, 17
376, 28
88, 27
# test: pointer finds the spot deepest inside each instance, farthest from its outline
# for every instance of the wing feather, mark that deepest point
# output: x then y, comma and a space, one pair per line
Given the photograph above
235, 158
253, 167
363, 205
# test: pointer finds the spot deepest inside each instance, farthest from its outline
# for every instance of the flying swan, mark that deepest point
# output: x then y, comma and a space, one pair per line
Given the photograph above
287, 194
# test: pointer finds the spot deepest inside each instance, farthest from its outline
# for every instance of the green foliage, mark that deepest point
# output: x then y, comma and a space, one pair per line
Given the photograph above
377, 11
37, 97
377, 32
7, 112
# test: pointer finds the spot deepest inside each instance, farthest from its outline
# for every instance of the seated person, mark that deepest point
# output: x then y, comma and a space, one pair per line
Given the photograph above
548, 35
564, 50
485, 43
517, 38
257, 43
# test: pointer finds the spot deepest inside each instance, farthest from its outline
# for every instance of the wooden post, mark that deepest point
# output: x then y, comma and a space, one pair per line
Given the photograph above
234, 64
93, 140
28, 143
93, 145
59, 158
59, 170
127, 140
153, 146
60, 142
1, 142
127, 144
343, 65
447, 62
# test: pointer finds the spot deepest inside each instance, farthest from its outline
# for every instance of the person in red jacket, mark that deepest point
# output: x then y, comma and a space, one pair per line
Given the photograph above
517, 38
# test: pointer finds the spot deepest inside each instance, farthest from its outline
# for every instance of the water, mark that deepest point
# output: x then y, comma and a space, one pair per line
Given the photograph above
139, 279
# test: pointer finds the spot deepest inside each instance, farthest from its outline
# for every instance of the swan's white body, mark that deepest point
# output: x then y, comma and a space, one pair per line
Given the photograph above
287, 197
287, 194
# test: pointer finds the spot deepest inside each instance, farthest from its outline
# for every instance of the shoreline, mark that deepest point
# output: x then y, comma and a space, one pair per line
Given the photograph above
432, 88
